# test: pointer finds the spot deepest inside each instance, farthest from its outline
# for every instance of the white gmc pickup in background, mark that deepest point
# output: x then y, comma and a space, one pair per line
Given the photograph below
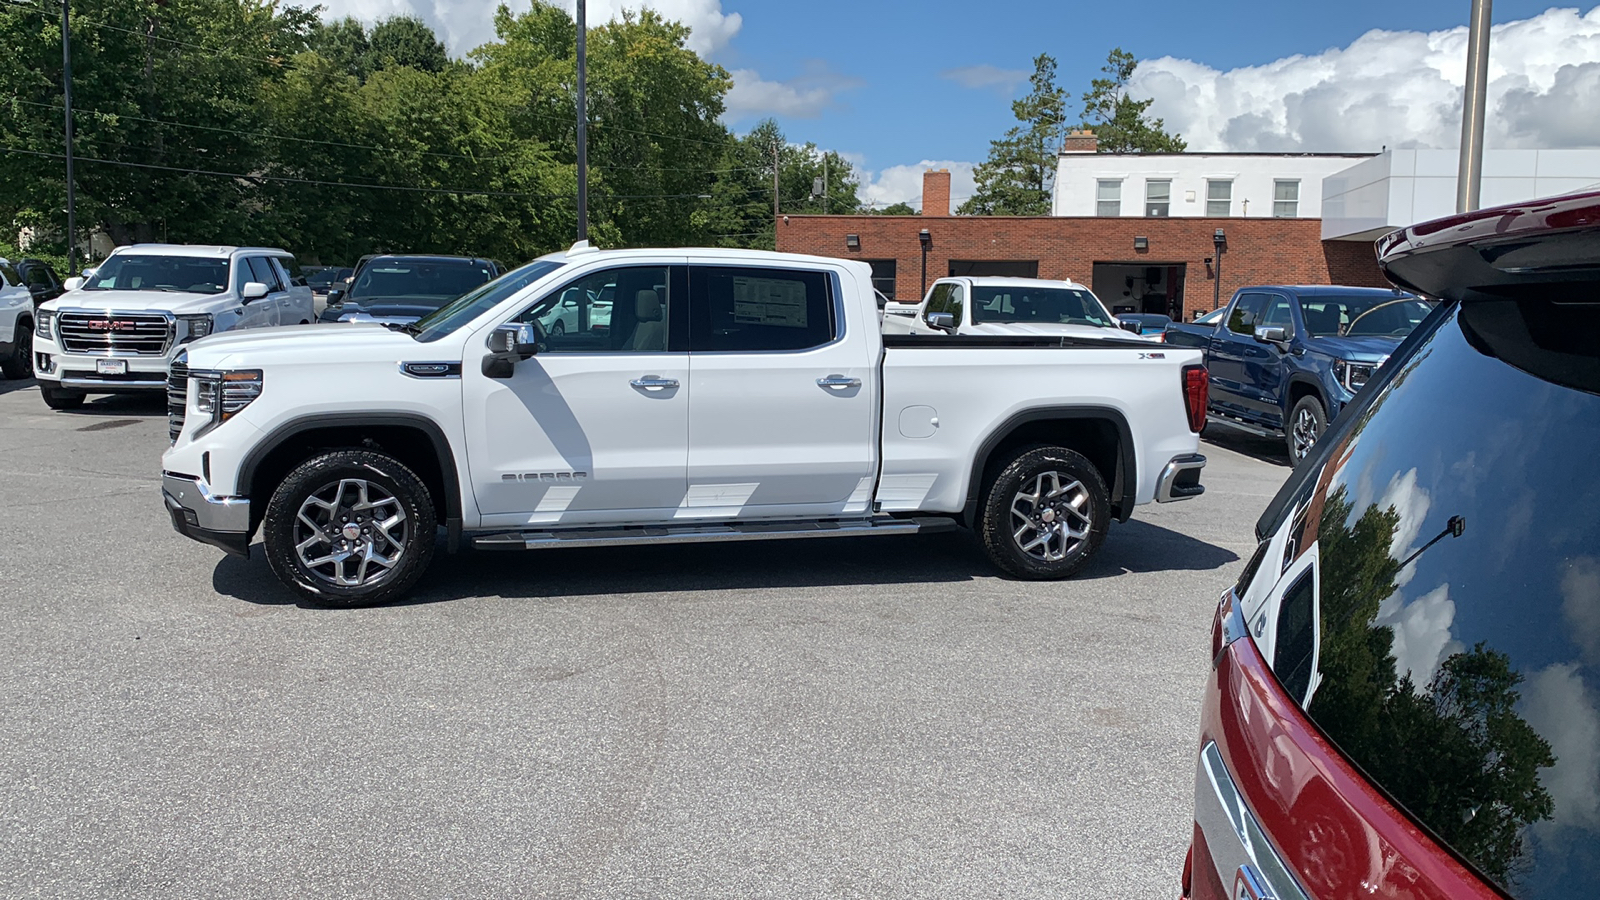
723, 395
993, 305
118, 331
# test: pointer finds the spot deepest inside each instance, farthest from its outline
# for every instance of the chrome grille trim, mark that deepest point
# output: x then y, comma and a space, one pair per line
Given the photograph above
137, 334
177, 397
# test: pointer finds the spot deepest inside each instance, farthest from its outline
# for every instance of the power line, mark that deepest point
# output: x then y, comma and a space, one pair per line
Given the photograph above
50, 14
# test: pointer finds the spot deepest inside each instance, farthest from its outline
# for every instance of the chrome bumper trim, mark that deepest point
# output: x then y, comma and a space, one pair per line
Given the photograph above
1167, 488
96, 384
212, 513
1239, 847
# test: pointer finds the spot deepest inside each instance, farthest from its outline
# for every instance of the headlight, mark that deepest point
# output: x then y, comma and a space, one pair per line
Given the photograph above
41, 326
196, 326
1353, 375
219, 396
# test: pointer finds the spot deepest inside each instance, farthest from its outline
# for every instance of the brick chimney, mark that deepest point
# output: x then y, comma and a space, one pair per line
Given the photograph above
1080, 141
936, 192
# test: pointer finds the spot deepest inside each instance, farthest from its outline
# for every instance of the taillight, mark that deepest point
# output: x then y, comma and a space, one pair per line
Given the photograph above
1196, 394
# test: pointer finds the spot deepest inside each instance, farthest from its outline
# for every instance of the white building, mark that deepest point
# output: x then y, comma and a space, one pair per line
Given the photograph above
1254, 185
1397, 188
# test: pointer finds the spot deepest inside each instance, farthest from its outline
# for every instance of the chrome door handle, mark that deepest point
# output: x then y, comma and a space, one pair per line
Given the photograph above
837, 382
654, 383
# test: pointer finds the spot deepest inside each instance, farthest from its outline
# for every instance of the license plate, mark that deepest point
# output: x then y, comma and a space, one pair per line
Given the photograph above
111, 367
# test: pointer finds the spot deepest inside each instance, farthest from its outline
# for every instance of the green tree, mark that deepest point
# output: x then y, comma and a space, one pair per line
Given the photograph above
1016, 178
1119, 121
405, 41
344, 43
895, 209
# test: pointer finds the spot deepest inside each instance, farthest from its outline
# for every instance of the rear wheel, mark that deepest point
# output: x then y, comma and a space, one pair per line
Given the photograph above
1307, 422
56, 398
350, 528
1045, 514
20, 365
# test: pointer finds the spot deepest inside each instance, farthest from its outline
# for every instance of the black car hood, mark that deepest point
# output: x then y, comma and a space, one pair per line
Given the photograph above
387, 310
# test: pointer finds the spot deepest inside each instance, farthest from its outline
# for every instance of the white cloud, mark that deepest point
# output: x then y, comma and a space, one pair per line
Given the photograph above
1411, 504
1421, 633
985, 76
1580, 602
804, 97
903, 184
465, 24
1558, 706
1395, 88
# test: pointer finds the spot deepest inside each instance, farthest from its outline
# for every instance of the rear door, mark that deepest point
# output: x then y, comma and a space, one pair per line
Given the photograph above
1232, 348
782, 387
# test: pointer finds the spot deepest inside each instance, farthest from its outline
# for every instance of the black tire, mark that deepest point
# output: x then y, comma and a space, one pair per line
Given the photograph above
20, 365
558, 329
56, 398
1067, 490
332, 478
1307, 422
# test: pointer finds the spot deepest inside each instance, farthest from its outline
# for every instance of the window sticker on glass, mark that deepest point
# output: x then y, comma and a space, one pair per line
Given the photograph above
769, 301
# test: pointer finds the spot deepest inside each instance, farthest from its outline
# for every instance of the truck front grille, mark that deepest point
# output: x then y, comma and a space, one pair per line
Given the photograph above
140, 334
177, 397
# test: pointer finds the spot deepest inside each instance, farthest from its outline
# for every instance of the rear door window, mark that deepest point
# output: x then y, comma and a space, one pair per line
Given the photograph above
1458, 658
737, 309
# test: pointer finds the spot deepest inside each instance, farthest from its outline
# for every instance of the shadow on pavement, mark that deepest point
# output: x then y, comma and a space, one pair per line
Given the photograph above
946, 557
1268, 450
8, 386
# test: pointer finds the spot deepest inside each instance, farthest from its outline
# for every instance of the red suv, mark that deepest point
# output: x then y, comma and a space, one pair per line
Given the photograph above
1404, 699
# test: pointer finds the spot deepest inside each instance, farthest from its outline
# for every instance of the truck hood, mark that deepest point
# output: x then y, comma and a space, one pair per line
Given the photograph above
143, 301
380, 310
300, 344
1356, 349
1046, 330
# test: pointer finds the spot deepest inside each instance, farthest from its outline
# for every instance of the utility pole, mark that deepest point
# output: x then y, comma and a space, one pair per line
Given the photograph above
774, 184
824, 182
66, 97
1469, 177
583, 125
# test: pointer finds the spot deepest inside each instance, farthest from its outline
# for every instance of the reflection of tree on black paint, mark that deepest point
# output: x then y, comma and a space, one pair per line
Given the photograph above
1456, 755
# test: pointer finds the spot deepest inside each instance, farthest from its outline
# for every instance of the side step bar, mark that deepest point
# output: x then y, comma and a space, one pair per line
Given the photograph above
1229, 422
693, 534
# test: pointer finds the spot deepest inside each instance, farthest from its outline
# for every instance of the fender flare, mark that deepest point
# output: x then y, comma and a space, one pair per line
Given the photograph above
441, 448
1125, 481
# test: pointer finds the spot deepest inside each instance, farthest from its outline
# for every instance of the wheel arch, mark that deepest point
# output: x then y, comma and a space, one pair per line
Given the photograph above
1100, 433
415, 440
1303, 385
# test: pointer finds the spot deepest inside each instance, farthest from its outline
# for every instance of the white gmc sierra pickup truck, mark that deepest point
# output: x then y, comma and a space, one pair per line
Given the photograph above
722, 395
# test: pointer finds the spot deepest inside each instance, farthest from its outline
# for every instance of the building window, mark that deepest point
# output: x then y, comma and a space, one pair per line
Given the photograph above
1219, 198
1108, 198
1285, 199
1004, 268
883, 276
1157, 198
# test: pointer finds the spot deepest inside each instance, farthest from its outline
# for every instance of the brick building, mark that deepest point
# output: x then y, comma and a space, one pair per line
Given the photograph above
1167, 265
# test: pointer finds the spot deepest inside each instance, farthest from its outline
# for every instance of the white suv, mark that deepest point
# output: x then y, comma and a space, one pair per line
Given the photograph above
118, 331
16, 324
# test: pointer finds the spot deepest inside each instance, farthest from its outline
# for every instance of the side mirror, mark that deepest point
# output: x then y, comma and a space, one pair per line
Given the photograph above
942, 321
335, 296
72, 284
508, 344
1128, 326
253, 290
1272, 335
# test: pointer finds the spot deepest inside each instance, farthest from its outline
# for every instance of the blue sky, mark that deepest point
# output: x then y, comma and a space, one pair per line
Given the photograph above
895, 86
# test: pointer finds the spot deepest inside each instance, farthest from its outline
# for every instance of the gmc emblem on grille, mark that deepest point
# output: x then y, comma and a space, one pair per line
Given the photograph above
110, 325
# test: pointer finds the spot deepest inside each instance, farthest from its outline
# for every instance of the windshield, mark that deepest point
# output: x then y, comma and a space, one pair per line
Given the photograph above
434, 282
1361, 315
1050, 305
467, 307
184, 274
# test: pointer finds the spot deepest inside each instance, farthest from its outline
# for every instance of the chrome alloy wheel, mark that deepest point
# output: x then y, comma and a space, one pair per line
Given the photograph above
1051, 518
350, 534
1305, 433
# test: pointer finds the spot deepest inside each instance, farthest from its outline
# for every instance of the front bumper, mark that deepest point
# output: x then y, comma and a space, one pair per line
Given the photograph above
199, 515
79, 372
1180, 479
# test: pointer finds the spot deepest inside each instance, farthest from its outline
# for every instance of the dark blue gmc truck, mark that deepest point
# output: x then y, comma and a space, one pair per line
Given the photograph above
1284, 360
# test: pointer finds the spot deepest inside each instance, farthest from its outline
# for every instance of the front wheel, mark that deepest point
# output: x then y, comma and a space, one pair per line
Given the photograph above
56, 398
558, 329
1045, 514
20, 365
1307, 422
350, 528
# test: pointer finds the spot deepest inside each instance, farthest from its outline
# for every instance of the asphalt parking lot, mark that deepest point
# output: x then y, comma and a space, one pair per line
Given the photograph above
872, 717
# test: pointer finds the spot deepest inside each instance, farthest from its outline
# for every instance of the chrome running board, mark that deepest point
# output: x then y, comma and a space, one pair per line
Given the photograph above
701, 533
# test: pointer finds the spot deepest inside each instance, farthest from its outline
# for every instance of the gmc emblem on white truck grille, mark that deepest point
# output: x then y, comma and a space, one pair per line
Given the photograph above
110, 325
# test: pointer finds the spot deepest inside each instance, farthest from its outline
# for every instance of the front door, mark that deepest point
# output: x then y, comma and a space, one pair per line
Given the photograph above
782, 418
593, 429
1233, 346
261, 312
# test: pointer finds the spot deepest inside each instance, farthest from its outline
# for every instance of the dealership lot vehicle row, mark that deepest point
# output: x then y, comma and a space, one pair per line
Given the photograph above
821, 718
